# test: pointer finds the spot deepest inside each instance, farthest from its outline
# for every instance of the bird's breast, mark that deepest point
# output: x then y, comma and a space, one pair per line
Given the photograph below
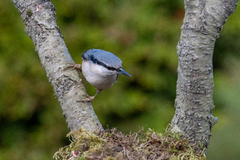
97, 75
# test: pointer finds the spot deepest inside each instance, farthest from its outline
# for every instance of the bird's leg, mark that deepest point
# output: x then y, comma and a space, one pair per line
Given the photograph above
76, 66
90, 98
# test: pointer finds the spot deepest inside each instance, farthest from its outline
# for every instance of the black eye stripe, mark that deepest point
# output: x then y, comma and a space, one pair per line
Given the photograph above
91, 58
94, 60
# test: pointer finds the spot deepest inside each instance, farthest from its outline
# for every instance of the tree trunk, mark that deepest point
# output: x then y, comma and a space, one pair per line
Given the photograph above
202, 24
40, 25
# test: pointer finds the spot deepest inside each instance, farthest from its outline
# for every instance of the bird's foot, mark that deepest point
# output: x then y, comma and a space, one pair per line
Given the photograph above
76, 66
88, 99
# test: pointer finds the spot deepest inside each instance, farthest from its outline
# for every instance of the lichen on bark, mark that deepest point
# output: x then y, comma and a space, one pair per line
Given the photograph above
39, 18
202, 24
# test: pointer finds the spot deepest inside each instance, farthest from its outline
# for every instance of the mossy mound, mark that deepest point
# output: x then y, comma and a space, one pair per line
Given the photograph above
111, 144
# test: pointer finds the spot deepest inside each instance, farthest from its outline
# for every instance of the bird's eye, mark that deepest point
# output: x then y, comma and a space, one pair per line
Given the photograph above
94, 60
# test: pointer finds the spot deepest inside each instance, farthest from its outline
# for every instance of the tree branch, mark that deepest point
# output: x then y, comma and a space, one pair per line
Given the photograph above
40, 25
202, 24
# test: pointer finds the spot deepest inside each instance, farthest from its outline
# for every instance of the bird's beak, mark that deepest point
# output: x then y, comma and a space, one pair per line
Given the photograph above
124, 73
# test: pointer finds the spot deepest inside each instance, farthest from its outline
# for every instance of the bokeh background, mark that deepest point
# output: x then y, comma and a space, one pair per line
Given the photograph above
144, 34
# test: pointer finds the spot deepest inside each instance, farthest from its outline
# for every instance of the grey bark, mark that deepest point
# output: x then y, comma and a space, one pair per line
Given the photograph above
40, 25
203, 21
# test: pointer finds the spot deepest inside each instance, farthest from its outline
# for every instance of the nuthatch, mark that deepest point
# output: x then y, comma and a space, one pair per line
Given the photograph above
100, 68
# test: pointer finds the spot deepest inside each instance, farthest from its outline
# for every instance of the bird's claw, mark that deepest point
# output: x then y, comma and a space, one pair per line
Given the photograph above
88, 99
73, 65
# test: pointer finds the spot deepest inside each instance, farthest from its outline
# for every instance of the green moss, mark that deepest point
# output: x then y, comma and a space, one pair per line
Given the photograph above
29, 13
112, 144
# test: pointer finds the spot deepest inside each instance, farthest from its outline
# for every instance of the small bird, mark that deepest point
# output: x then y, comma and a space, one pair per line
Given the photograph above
100, 68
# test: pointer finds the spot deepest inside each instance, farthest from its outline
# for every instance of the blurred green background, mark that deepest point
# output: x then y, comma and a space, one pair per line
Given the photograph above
144, 34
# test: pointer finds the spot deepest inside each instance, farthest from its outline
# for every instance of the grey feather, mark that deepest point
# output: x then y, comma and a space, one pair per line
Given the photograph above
104, 58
